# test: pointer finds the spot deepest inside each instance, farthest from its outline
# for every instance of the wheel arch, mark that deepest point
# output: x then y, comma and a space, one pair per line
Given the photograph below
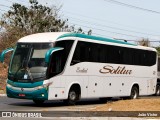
76, 86
134, 92
136, 85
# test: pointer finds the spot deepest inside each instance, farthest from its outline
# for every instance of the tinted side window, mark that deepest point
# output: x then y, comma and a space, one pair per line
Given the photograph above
158, 64
144, 57
66, 44
114, 54
103, 53
59, 58
127, 56
81, 53
93, 52
152, 57
86, 52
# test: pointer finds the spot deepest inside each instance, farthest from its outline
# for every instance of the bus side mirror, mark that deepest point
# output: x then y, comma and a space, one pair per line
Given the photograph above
50, 52
2, 55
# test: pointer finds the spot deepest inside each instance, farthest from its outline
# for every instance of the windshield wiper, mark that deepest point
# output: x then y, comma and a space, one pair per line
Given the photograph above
17, 72
26, 66
23, 66
29, 73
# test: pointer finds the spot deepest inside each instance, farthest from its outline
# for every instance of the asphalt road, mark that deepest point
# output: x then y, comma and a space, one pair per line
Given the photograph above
11, 104
51, 108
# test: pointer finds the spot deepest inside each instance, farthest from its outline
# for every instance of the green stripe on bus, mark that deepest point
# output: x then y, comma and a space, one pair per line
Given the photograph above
94, 38
25, 85
32, 95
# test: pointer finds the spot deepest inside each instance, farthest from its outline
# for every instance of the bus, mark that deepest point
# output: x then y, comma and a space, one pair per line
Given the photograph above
73, 66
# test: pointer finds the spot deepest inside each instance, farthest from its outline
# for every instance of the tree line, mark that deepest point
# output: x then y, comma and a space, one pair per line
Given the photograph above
21, 20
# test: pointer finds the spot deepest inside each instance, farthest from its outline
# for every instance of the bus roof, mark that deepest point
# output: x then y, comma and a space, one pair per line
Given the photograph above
53, 36
41, 37
105, 40
94, 38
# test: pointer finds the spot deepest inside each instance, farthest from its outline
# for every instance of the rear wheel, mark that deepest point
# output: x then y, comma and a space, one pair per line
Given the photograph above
134, 93
157, 90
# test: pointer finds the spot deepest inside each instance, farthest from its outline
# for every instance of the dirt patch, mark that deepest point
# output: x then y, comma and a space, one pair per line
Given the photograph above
131, 105
3, 77
3, 71
2, 86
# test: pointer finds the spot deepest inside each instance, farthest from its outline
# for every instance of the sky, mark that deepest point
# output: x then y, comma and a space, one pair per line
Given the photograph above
131, 20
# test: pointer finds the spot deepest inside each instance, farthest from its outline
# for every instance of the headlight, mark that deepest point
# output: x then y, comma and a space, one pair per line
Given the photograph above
8, 85
43, 86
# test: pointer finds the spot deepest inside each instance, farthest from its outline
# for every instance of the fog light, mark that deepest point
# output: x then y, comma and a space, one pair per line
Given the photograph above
42, 95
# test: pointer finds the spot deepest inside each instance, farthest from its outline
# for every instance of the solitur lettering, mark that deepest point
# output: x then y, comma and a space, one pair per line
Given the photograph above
119, 70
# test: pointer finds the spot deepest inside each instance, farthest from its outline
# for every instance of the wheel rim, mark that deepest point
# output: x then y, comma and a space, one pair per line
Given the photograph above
134, 94
72, 96
158, 91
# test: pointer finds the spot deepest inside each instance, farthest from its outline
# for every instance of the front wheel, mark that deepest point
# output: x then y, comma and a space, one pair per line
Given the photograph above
134, 93
73, 97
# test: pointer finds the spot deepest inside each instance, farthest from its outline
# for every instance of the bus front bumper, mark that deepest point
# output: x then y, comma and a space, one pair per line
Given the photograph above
23, 93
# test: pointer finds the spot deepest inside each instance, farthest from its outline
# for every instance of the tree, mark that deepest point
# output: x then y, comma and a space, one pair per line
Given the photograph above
158, 50
21, 20
36, 18
144, 42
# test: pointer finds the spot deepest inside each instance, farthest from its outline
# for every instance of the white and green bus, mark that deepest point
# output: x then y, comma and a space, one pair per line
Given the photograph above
72, 66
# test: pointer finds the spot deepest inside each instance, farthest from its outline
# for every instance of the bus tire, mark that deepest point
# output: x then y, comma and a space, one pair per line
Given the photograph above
38, 102
73, 97
157, 90
134, 92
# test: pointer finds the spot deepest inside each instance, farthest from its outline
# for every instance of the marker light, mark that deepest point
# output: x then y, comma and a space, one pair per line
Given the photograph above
8, 85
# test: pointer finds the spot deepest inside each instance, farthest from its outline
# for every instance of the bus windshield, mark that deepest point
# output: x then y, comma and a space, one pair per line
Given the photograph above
29, 61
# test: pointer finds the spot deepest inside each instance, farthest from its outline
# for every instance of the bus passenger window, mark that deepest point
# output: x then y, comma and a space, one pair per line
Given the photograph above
81, 53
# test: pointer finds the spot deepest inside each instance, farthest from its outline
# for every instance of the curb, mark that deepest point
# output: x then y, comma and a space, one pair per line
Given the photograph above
1, 95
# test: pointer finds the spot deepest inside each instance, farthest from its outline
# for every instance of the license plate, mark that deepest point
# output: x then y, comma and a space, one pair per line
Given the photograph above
22, 95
